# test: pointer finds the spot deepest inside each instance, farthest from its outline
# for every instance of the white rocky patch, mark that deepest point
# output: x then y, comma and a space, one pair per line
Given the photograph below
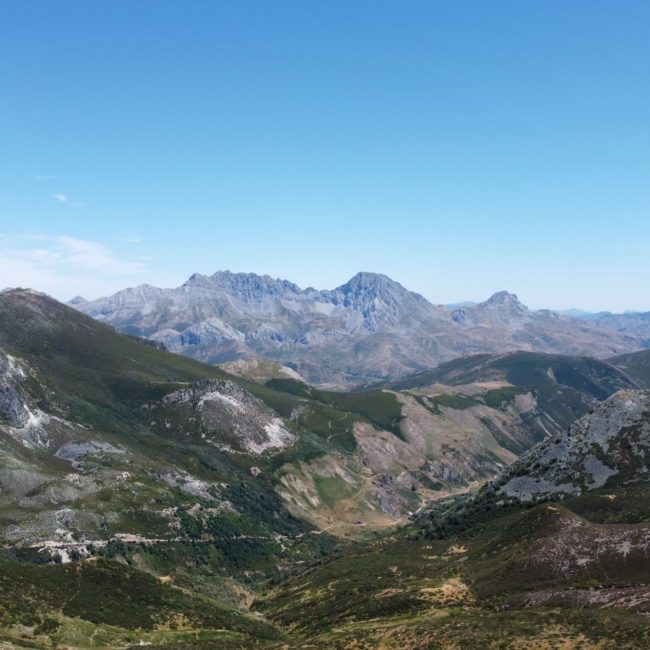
291, 373
189, 484
278, 438
32, 434
215, 396
232, 419
13, 368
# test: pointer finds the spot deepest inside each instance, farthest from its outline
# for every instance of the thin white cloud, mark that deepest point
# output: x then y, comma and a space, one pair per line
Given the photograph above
65, 266
93, 256
63, 198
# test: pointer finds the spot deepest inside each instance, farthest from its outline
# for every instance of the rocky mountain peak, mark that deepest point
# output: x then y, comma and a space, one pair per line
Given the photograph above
198, 280
379, 299
504, 298
252, 287
365, 288
78, 300
506, 306
367, 328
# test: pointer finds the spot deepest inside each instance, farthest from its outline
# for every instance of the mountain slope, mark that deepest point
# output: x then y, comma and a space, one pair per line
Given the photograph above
132, 472
486, 573
367, 329
604, 455
106, 440
444, 438
105, 603
597, 378
105, 403
610, 446
635, 365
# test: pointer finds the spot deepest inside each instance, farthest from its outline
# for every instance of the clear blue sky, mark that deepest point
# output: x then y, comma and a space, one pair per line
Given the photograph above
459, 147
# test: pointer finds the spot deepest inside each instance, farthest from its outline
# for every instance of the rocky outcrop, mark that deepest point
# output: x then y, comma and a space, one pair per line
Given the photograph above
12, 406
612, 441
228, 416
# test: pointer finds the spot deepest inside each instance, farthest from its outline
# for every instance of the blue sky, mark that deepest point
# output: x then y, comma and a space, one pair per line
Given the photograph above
459, 147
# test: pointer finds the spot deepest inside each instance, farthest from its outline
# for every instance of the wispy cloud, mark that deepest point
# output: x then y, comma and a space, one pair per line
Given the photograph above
65, 266
63, 198
90, 255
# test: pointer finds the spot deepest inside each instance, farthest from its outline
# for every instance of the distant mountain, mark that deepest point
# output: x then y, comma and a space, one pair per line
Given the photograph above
634, 324
592, 376
577, 313
628, 323
369, 328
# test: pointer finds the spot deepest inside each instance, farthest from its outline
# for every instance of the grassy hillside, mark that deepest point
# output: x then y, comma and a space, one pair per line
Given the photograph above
635, 365
102, 603
519, 577
594, 377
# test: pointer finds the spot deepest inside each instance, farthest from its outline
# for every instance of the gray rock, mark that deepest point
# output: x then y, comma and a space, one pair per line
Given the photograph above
614, 438
12, 406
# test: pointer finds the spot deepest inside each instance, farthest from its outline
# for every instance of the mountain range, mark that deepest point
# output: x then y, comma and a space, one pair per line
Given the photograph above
369, 329
73, 390
147, 498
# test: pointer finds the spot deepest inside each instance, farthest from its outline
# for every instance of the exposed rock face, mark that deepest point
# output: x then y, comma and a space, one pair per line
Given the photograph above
369, 328
381, 301
612, 441
231, 418
12, 406
444, 472
505, 308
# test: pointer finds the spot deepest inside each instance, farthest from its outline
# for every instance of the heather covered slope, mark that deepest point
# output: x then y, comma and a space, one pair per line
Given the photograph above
552, 574
108, 604
368, 329
489, 571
